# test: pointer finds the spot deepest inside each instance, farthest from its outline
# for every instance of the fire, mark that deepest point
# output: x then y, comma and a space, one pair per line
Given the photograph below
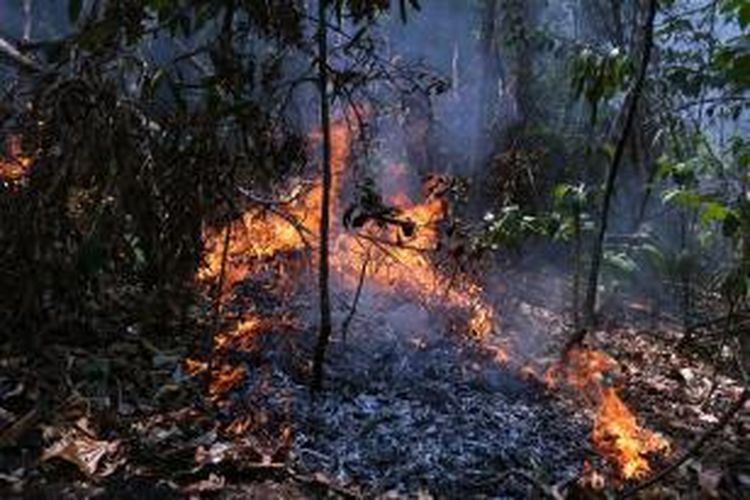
224, 379
397, 256
240, 337
281, 237
392, 260
14, 166
616, 433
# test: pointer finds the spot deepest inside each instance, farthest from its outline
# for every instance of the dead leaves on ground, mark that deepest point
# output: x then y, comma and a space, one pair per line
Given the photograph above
79, 446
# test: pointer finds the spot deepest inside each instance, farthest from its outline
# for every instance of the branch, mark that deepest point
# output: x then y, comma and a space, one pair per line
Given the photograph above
12, 54
357, 293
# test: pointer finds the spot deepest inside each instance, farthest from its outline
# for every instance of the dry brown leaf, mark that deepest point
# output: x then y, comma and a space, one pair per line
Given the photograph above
213, 483
709, 480
82, 450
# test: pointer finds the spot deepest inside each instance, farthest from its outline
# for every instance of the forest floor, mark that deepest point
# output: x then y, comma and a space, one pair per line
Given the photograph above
418, 415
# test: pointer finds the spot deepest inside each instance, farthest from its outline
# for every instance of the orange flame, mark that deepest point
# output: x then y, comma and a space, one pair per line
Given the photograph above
14, 166
616, 433
224, 379
392, 263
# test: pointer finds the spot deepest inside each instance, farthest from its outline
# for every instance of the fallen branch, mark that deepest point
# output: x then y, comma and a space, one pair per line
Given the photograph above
694, 448
394, 244
15, 431
269, 202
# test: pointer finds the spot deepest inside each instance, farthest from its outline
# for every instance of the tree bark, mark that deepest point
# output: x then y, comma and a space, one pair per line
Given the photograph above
323, 268
488, 82
632, 106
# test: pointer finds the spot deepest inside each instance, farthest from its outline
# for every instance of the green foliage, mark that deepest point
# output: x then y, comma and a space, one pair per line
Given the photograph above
600, 76
739, 9
570, 206
509, 229
733, 58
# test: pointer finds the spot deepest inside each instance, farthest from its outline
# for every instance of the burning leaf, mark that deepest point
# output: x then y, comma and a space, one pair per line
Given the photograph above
225, 379
194, 367
240, 426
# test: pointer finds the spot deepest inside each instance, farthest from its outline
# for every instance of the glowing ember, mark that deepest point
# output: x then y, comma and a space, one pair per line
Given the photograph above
14, 166
240, 426
194, 367
616, 434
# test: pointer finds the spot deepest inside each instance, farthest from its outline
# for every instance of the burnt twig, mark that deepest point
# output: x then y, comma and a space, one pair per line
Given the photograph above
630, 109
357, 293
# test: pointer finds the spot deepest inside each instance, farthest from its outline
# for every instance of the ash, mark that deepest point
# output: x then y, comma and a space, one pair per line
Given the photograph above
409, 408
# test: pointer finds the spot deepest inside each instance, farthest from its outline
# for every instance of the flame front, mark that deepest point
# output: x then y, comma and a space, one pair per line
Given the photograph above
616, 433
263, 233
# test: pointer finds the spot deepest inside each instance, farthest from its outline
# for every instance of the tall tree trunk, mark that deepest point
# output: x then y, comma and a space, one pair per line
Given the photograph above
488, 80
632, 105
323, 270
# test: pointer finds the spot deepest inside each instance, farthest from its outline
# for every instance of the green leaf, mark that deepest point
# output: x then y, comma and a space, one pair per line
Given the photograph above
713, 211
621, 262
685, 197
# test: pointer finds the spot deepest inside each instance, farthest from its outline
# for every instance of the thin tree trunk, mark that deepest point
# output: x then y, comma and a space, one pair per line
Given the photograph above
632, 106
577, 267
325, 121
